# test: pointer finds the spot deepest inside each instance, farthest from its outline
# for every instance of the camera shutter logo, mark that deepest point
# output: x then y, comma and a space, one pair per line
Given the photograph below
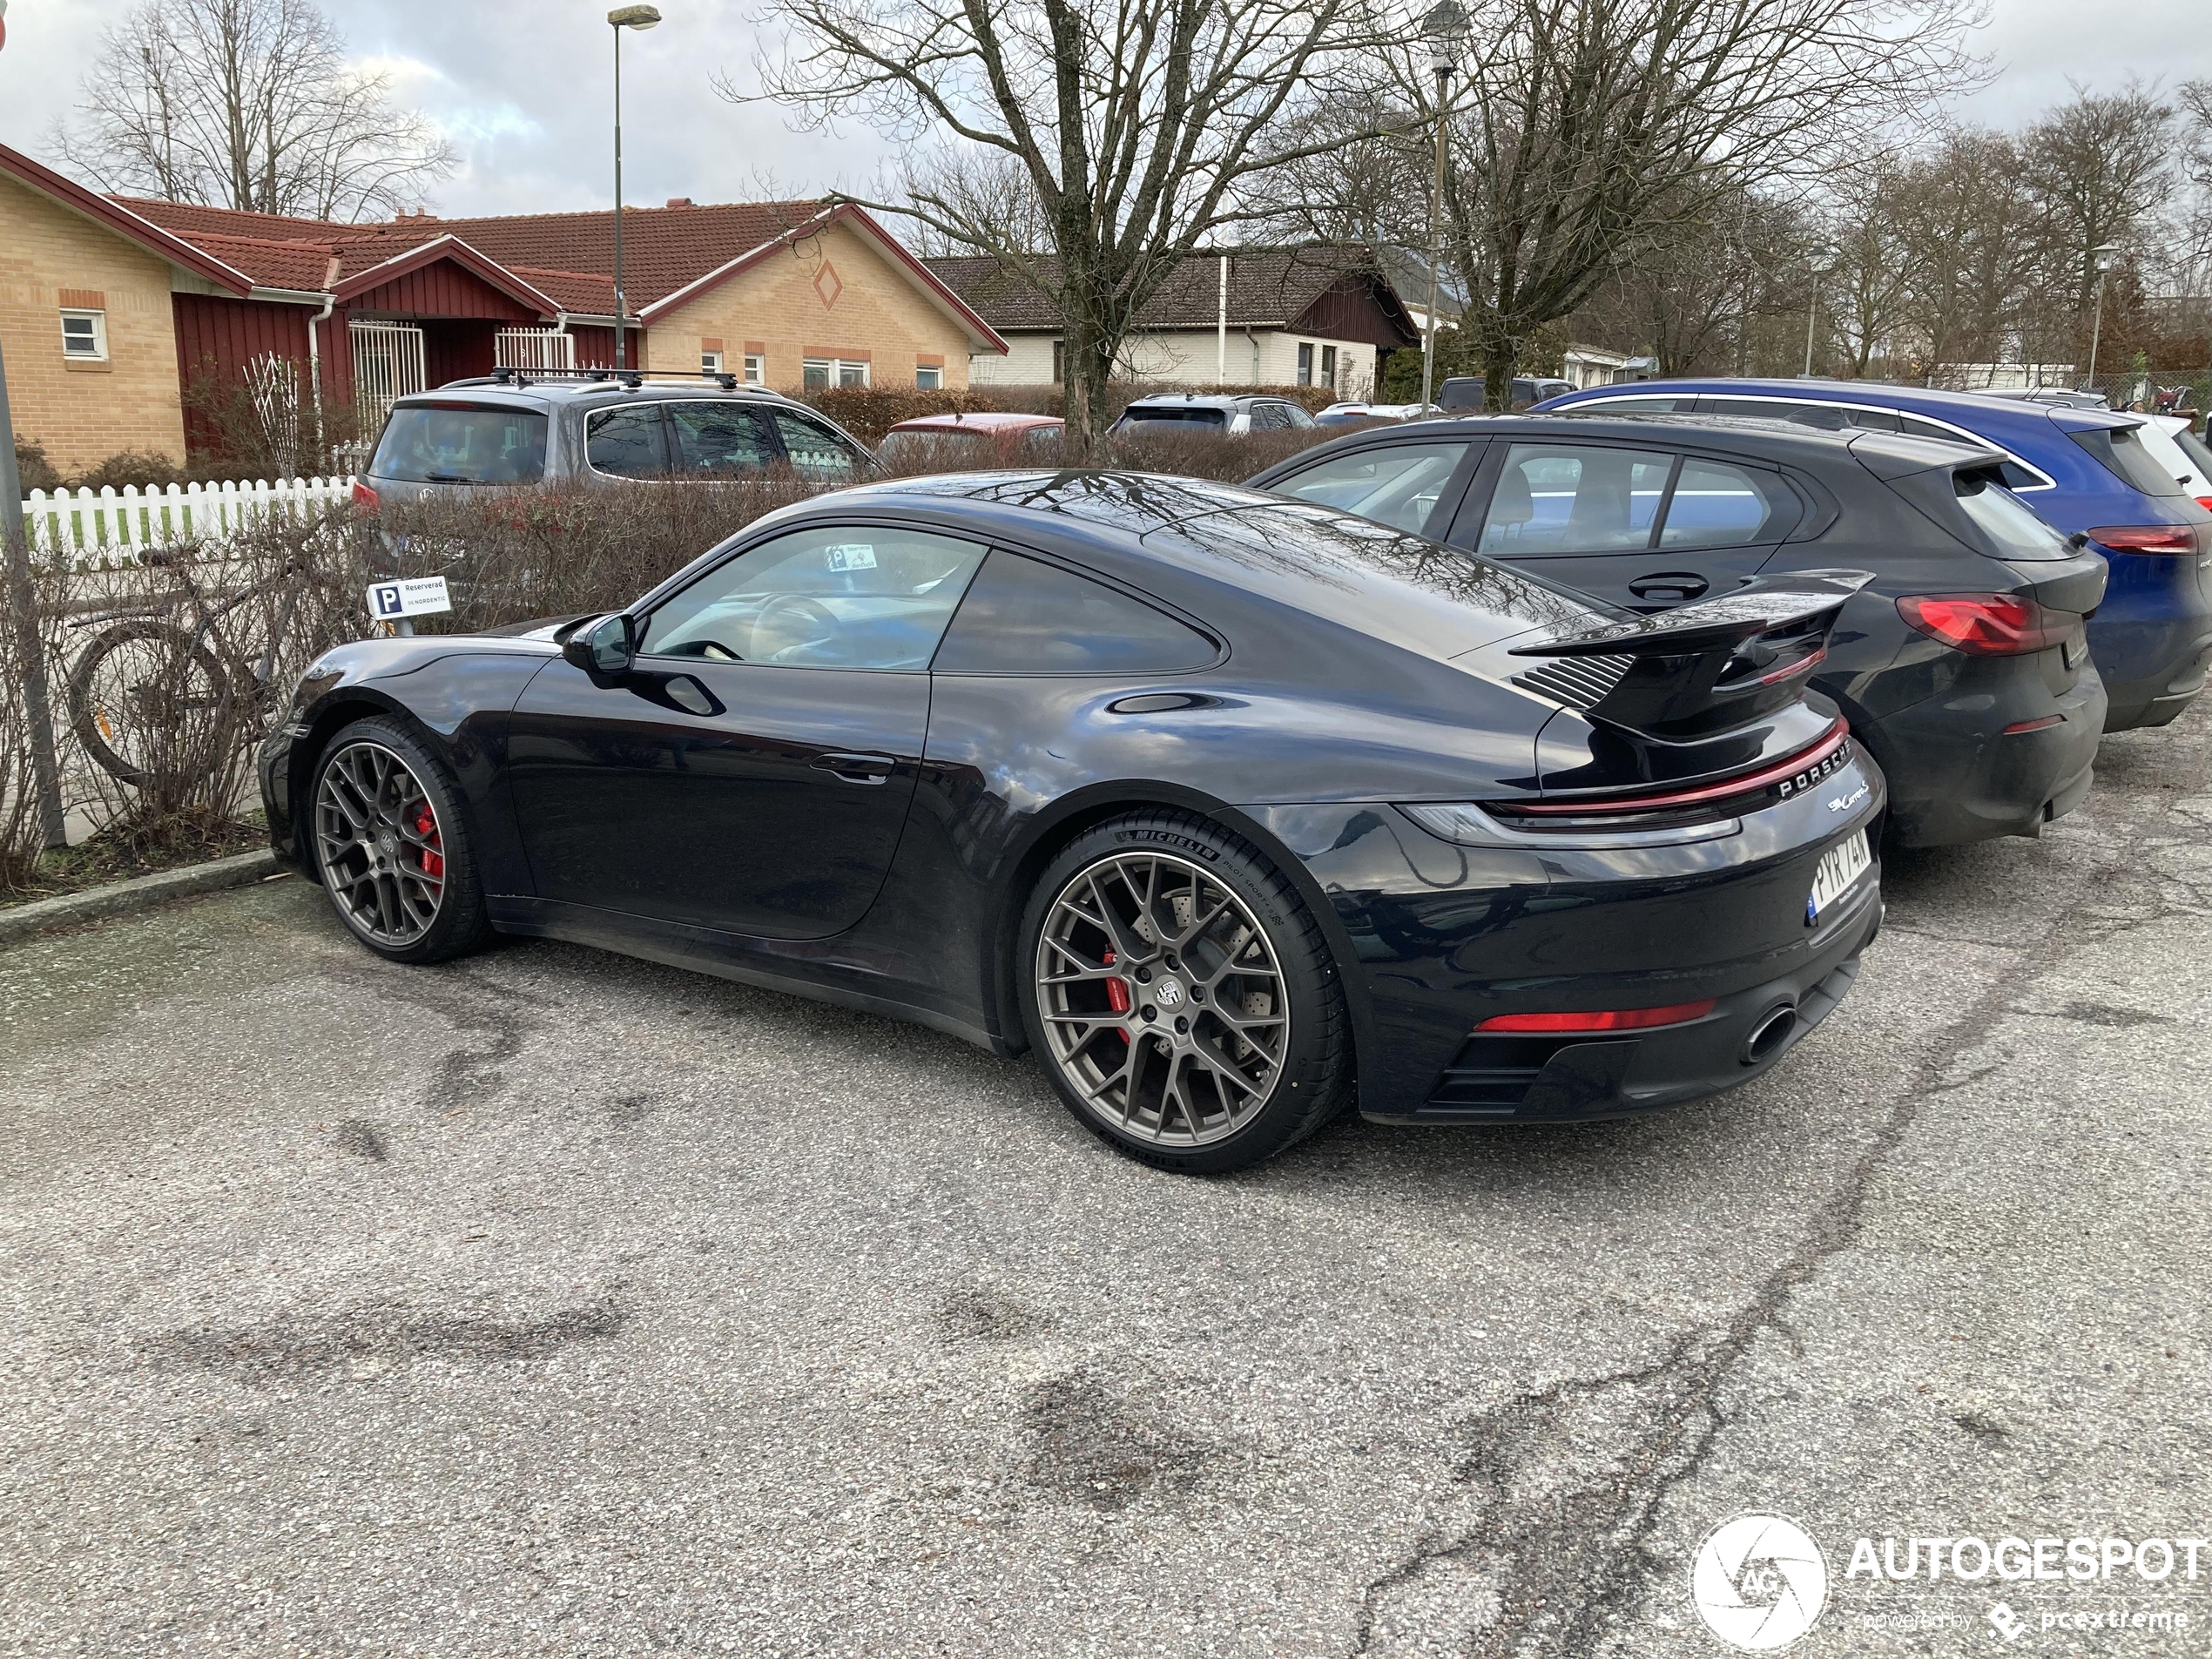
1759, 1582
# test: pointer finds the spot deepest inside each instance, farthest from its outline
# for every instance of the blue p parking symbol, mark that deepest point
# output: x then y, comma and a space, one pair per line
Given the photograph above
387, 598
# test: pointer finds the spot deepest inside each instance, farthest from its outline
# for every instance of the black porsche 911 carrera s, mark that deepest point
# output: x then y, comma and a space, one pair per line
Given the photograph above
1238, 811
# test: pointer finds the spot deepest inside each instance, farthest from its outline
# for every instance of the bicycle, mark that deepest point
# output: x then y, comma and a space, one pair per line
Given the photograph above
147, 673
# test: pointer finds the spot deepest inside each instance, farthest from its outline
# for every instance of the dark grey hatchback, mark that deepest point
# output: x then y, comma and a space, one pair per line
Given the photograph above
1963, 667
599, 427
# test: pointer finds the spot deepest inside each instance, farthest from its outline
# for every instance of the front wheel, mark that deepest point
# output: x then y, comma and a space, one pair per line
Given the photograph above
1182, 996
391, 846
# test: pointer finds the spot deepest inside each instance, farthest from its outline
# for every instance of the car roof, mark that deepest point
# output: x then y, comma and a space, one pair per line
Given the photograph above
1201, 400
531, 392
972, 420
1891, 453
1958, 406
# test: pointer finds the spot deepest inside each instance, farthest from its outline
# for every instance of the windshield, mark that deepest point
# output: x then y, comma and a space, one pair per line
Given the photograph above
1181, 414
2007, 520
2123, 454
462, 443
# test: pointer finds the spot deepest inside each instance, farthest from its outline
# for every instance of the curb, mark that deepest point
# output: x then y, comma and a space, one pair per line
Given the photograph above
24, 921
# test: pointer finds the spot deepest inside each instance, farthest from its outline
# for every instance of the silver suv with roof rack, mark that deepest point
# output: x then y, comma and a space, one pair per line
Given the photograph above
1200, 412
519, 428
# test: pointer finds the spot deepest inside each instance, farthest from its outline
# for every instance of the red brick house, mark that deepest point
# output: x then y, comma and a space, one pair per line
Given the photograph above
112, 309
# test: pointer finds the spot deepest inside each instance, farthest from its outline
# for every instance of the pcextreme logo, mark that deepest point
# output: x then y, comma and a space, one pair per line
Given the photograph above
1759, 1581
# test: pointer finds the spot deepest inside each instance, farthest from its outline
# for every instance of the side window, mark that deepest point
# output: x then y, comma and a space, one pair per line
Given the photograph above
1043, 442
1717, 505
1295, 416
1396, 484
838, 597
627, 442
720, 438
815, 451
1268, 417
1574, 498
1024, 617
1919, 429
1630, 406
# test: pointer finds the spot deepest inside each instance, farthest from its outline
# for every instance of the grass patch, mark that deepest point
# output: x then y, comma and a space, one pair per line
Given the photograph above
112, 856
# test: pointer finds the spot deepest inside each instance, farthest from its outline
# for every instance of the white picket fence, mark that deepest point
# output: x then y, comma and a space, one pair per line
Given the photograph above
109, 527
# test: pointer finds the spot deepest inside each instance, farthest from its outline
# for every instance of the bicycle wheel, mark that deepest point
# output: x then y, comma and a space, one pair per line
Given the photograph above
141, 688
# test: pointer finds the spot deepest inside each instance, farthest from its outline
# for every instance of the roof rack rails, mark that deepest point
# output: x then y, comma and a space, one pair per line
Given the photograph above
630, 378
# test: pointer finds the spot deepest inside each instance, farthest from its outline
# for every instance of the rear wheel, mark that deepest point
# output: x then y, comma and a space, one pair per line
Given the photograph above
392, 847
1182, 996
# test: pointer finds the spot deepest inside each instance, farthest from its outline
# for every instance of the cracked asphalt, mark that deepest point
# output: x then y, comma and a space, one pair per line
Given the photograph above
552, 1303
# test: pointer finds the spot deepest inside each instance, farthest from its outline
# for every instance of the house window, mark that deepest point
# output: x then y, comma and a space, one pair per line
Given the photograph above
929, 377
709, 363
755, 368
1329, 366
1059, 360
84, 335
823, 372
1305, 363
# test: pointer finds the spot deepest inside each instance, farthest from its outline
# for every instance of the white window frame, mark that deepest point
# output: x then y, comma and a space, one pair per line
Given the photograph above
1305, 370
709, 363
99, 320
1647, 388
755, 368
936, 380
835, 368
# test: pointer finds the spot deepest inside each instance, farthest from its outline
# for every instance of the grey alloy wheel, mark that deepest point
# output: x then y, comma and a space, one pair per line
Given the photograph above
1162, 999
380, 845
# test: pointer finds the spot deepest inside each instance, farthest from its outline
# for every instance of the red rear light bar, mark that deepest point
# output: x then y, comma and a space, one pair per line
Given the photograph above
2176, 540
1601, 1020
1783, 772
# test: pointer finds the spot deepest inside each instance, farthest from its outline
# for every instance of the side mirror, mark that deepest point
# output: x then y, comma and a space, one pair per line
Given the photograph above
607, 649
2078, 539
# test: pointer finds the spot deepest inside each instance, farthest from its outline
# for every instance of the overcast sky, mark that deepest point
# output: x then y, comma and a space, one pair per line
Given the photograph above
522, 88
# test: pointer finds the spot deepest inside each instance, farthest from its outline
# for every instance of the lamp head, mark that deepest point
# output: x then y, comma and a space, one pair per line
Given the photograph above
1444, 26
1822, 259
639, 17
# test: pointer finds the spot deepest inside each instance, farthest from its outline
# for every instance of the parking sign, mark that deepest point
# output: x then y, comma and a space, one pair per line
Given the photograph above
413, 596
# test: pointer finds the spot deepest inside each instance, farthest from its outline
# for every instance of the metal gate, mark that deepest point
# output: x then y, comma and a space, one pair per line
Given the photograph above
546, 350
387, 365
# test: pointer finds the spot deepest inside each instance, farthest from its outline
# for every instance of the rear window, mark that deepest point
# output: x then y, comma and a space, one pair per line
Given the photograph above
2009, 523
462, 443
1175, 415
2162, 447
929, 447
2199, 454
2122, 454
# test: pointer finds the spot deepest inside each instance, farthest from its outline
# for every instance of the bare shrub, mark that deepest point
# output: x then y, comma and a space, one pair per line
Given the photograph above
35, 470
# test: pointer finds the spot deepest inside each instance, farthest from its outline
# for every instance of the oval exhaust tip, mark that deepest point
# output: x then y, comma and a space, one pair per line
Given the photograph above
1770, 1034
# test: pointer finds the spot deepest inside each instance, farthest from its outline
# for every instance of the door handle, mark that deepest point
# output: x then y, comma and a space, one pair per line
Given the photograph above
1668, 584
858, 769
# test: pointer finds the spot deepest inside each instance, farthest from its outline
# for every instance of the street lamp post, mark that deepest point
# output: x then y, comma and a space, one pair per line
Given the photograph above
1820, 261
1446, 29
639, 17
2106, 257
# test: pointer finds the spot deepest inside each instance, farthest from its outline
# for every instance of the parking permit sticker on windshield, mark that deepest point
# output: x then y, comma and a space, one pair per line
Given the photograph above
851, 556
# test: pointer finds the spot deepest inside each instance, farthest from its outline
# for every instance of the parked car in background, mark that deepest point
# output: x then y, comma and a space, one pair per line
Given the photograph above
1231, 810
2172, 438
1962, 665
2085, 470
964, 442
1467, 392
513, 429
1198, 412
1357, 414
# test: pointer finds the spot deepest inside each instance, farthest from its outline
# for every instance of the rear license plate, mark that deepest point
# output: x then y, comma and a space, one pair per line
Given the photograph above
1840, 868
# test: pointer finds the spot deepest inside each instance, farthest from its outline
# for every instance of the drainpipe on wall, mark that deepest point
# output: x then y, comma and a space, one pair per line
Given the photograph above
1254, 338
314, 366
1221, 330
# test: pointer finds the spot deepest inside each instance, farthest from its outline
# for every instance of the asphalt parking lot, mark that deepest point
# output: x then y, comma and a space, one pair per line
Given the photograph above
553, 1303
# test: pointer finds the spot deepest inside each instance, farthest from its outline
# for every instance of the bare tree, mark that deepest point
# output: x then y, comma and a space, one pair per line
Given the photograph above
1584, 126
2104, 165
249, 103
1132, 126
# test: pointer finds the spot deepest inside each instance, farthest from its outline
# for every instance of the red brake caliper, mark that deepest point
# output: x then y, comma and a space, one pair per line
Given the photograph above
434, 862
1116, 990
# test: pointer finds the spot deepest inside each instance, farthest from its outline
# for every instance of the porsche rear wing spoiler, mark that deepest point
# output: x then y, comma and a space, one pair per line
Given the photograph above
1699, 669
